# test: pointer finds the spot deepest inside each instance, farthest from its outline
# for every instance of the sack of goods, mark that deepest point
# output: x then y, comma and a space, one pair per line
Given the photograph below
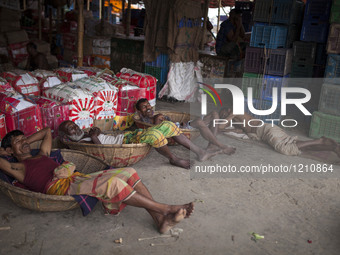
20, 113
66, 74
142, 80
53, 113
5, 86
47, 79
23, 82
80, 101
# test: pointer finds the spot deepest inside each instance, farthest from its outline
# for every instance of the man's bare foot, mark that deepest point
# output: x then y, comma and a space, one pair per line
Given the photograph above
188, 207
180, 163
337, 150
171, 219
211, 147
205, 155
331, 142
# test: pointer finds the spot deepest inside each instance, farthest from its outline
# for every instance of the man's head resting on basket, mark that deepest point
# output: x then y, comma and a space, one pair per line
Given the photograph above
68, 130
144, 108
15, 143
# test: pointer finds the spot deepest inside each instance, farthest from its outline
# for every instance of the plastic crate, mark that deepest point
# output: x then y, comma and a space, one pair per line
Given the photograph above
270, 82
279, 11
127, 53
300, 70
314, 31
332, 72
304, 52
333, 42
161, 61
325, 125
260, 104
329, 99
262, 11
294, 32
318, 10
321, 54
271, 37
287, 12
254, 60
335, 12
244, 6
254, 81
279, 62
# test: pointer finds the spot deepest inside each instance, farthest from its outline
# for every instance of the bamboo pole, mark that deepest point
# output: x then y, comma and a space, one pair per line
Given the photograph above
100, 9
219, 16
88, 5
123, 8
80, 31
39, 19
128, 19
204, 32
24, 5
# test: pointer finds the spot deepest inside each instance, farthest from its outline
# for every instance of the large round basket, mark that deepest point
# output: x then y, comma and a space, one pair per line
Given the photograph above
48, 203
114, 155
180, 117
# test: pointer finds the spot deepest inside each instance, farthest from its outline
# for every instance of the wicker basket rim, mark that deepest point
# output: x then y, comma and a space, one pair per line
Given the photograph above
137, 119
90, 145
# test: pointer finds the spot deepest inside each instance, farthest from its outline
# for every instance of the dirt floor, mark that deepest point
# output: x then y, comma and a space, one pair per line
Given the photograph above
296, 214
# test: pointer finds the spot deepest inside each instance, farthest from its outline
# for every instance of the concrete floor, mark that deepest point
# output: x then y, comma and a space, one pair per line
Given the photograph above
288, 211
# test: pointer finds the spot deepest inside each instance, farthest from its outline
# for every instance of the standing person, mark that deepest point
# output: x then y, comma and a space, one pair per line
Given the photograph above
36, 60
231, 36
116, 188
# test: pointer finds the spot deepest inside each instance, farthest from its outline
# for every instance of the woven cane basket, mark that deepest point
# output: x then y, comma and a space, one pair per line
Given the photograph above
49, 203
115, 155
180, 117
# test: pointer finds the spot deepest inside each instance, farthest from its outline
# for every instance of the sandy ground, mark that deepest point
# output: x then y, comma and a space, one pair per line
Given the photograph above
286, 211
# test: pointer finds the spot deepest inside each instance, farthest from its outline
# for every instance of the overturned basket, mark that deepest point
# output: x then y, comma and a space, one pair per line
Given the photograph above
180, 117
114, 155
48, 203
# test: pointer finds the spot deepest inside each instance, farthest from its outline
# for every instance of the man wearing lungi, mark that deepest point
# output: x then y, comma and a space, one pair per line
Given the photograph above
277, 138
116, 188
156, 136
204, 125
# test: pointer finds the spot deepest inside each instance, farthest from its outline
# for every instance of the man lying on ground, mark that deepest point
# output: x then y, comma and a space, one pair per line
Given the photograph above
116, 188
276, 137
156, 136
204, 125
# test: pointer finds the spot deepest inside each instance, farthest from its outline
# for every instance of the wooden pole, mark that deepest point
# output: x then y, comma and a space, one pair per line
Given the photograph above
24, 5
128, 19
88, 5
219, 16
123, 8
100, 9
80, 31
39, 19
204, 32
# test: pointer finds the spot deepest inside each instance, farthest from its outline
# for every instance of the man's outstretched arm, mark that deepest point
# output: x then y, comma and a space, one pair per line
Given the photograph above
46, 136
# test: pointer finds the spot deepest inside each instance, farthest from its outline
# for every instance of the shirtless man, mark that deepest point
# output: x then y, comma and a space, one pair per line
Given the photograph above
207, 130
276, 137
37, 173
156, 136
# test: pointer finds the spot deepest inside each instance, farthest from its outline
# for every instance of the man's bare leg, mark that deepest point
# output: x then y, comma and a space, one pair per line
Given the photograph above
173, 159
201, 154
209, 134
321, 144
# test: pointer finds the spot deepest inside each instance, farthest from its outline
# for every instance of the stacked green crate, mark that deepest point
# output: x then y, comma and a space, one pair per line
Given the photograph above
326, 121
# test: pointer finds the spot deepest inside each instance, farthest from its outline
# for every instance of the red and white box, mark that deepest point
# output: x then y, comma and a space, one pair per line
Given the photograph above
18, 52
53, 113
104, 94
23, 82
69, 74
3, 130
70, 41
47, 79
5, 86
20, 113
142, 80
80, 101
128, 95
90, 71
